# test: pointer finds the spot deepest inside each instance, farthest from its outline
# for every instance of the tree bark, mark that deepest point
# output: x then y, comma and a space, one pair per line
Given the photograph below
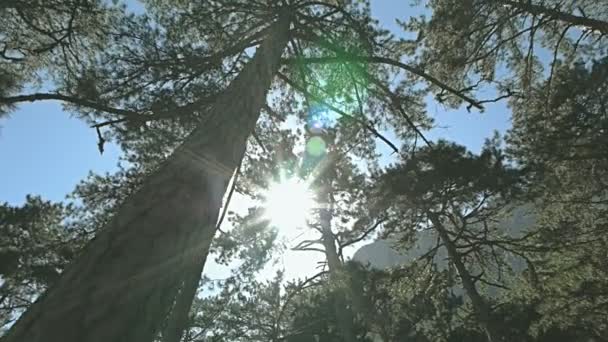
344, 314
125, 281
590, 23
479, 304
178, 319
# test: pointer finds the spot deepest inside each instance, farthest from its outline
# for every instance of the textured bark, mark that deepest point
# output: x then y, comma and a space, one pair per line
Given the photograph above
590, 23
480, 306
125, 281
178, 319
344, 314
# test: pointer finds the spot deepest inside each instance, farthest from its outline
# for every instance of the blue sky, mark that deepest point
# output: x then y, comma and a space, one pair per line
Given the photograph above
46, 151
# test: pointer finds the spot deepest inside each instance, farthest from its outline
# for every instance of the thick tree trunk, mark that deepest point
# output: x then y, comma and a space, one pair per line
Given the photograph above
479, 304
178, 319
125, 281
590, 23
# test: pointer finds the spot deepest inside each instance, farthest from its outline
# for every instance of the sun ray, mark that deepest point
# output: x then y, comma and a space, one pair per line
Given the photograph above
289, 203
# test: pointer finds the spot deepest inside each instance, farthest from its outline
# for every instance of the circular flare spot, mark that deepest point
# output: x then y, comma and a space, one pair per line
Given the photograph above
315, 146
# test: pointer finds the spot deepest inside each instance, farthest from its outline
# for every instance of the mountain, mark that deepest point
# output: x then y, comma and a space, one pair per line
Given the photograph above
381, 254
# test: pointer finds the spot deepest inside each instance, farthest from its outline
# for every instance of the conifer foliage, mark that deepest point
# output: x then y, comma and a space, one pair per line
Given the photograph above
211, 102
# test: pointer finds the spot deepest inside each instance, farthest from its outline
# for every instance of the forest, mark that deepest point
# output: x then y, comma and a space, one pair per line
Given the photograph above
268, 147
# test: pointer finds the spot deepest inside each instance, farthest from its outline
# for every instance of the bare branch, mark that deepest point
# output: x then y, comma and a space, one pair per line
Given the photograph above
273, 114
101, 141
365, 234
305, 244
396, 102
237, 172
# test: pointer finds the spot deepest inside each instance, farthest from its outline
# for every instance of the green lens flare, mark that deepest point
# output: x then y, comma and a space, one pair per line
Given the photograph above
316, 146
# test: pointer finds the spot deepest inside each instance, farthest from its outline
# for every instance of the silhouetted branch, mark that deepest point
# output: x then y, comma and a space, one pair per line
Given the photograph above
305, 244
344, 57
259, 142
365, 234
496, 99
342, 113
237, 172
70, 99
273, 114
298, 288
396, 102
101, 141
556, 14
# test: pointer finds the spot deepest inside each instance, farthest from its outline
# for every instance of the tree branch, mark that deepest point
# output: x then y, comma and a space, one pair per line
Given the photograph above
556, 14
70, 99
342, 113
345, 57
237, 172
365, 233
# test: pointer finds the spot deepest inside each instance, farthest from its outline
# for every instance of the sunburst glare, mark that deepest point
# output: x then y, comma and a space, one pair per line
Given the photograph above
289, 203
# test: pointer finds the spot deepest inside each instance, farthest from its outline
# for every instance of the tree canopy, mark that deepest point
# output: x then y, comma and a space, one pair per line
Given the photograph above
213, 103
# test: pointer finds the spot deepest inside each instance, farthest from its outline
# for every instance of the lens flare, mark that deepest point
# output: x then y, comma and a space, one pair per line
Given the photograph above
289, 203
319, 119
316, 146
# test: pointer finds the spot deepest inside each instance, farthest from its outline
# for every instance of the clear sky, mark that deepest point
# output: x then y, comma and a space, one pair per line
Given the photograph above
46, 151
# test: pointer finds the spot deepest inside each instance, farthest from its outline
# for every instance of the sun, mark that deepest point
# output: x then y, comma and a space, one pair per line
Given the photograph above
289, 203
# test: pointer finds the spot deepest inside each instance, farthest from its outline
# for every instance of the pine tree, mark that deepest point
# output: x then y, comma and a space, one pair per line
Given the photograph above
558, 136
34, 248
504, 45
49, 37
165, 72
184, 229
458, 196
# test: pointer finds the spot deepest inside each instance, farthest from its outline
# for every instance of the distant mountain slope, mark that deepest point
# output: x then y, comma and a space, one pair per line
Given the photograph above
380, 254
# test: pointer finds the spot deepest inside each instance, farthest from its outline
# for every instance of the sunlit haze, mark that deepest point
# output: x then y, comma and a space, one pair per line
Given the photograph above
289, 203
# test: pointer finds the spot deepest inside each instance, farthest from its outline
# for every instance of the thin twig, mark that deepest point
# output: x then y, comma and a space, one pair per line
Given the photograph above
342, 113
237, 172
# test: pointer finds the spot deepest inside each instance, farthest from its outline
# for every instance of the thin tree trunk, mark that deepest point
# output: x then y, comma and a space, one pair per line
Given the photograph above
590, 23
331, 254
344, 314
479, 304
124, 282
